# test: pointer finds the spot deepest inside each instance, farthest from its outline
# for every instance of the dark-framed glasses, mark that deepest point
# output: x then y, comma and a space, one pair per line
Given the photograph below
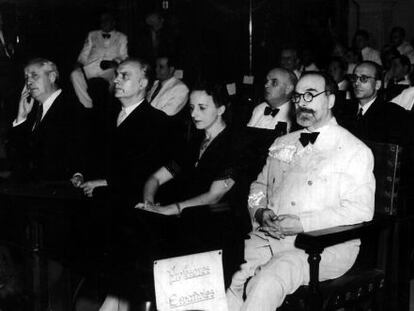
363, 78
307, 96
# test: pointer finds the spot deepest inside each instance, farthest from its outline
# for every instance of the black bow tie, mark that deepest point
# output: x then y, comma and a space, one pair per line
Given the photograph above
306, 138
270, 111
106, 35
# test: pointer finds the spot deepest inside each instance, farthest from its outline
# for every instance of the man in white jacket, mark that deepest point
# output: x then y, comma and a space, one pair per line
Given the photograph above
314, 178
102, 51
168, 93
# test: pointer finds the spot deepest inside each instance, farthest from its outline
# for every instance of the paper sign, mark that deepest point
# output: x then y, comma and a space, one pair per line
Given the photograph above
231, 88
179, 74
248, 79
192, 282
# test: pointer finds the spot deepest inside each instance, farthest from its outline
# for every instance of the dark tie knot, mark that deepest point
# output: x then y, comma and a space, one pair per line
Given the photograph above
270, 111
106, 35
306, 138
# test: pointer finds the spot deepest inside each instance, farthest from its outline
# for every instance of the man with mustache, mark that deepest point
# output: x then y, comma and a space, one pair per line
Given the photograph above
314, 178
277, 109
44, 140
370, 117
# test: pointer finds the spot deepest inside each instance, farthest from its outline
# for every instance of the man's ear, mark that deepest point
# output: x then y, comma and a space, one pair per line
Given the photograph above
289, 89
378, 84
221, 110
52, 77
331, 100
172, 69
143, 83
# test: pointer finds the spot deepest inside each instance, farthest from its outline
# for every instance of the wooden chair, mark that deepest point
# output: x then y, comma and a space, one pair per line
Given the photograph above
366, 285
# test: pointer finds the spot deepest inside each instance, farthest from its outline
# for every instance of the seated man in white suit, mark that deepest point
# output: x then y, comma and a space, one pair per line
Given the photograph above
102, 51
314, 178
168, 93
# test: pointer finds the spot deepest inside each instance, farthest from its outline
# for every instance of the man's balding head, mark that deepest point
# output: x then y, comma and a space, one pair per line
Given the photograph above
279, 86
131, 81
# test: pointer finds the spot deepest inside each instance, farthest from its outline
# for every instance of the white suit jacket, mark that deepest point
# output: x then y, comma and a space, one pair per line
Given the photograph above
368, 53
96, 48
171, 98
329, 183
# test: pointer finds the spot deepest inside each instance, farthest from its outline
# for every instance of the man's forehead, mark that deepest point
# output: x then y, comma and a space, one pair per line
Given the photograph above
276, 74
34, 68
310, 83
366, 69
129, 67
288, 53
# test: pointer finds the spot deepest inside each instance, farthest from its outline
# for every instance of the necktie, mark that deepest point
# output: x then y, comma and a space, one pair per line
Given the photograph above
270, 111
359, 115
106, 35
306, 138
39, 114
121, 117
156, 91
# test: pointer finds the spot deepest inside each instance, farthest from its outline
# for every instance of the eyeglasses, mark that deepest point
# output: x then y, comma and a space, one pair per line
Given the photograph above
307, 96
363, 78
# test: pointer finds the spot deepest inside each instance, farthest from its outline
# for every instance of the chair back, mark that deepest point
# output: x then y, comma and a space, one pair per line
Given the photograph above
387, 175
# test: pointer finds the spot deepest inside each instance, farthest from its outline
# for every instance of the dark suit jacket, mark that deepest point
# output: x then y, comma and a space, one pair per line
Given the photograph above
382, 122
138, 148
52, 151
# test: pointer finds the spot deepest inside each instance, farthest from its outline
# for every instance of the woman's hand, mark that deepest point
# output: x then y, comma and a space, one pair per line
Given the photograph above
89, 186
167, 210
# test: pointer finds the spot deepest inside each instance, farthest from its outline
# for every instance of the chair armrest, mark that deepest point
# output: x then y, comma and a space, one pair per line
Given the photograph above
316, 241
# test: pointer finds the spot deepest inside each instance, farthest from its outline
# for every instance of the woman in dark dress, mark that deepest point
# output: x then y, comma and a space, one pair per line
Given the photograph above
203, 174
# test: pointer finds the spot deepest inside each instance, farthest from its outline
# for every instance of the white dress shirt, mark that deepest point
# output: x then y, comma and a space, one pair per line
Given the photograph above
128, 110
366, 106
370, 54
259, 120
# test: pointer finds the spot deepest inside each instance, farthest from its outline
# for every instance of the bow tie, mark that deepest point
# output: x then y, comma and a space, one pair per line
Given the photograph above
270, 111
306, 138
106, 35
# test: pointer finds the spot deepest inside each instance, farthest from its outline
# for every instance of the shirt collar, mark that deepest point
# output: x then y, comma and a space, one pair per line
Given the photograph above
49, 101
366, 106
131, 108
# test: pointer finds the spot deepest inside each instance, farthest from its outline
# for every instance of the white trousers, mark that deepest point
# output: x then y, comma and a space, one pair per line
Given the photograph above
114, 304
81, 87
279, 269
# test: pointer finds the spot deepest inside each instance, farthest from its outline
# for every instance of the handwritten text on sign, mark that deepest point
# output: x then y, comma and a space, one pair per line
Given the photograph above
192, 282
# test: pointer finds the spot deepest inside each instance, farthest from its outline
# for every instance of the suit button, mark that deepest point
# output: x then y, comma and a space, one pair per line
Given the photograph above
310, 182
272, 204
293, 203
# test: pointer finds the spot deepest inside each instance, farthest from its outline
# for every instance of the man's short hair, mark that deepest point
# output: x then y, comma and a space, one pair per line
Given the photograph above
377, 68
330, 85
404, 60
292, 79
144, 65
363, 33
399, 30
45, 64
343, 64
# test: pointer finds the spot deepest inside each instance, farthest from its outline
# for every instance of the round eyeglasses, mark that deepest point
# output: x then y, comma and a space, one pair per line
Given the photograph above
307, 96
363, 78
